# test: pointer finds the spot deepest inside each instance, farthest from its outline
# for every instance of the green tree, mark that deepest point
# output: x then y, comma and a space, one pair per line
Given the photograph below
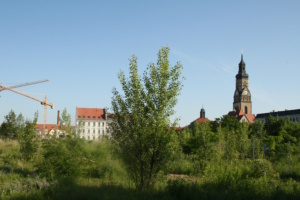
12, 126
141, 117
20, 124
257, 130
280, 132
202, 144
28, 139
273, 125
65, 123
230, 123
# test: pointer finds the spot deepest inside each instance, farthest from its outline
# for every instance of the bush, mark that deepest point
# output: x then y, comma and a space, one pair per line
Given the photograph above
62, 158
262, 168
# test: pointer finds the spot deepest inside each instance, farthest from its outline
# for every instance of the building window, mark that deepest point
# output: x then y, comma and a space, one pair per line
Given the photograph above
82, 130
98, 123
98, 131
88, 123
94, 131
88, 130
89, 117
102, 131
94, 123
246, 110
93, 117
88, 137
102, 123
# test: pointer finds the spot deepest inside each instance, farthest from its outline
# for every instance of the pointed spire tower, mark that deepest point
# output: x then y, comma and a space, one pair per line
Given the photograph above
202, 113
242, 95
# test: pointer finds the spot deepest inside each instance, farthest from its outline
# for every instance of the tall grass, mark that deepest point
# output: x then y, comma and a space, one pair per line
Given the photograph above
103, 177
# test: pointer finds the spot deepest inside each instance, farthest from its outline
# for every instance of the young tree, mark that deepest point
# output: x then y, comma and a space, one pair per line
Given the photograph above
8, 129
201, 143
28, 139
141, 117
12, 126
65, 122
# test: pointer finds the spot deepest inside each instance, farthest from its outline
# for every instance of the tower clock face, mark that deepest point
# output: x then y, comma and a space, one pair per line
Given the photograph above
245, 92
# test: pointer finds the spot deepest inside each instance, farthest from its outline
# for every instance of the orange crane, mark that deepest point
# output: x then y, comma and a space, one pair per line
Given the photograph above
43, 102
23, 84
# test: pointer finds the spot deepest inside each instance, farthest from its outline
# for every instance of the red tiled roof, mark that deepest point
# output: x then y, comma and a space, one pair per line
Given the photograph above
49, 127
250, 118
90, 113
199, 121
179, 128
239, 114
202, 120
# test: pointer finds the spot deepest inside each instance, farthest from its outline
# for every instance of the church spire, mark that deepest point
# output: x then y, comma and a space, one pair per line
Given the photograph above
242, 68
242, 96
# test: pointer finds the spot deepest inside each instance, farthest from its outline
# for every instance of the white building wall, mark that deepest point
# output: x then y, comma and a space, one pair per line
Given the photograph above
92, 129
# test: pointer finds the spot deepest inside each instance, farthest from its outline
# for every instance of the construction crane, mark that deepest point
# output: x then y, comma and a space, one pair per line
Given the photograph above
23, 84
43, 102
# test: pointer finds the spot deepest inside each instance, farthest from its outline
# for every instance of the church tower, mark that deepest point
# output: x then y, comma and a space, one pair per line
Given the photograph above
242, 95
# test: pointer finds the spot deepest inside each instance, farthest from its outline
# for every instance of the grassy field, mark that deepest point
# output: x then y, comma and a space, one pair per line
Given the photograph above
103, 177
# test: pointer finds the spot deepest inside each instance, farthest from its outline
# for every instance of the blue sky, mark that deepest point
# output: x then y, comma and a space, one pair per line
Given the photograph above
80, 46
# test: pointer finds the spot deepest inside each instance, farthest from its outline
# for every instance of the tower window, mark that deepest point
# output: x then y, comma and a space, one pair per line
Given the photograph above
246, 110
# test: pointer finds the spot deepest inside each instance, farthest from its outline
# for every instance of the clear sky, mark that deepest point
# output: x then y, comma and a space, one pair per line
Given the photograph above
80, 46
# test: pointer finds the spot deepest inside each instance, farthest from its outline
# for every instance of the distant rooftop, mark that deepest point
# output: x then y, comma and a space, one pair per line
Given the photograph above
279, 113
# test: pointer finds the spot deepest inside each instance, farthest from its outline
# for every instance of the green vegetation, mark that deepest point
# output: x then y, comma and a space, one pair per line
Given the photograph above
203, 163
141, 117
145, 159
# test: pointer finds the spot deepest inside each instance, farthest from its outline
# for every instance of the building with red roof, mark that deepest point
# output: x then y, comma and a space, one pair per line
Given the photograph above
242, 117
91, 123
50, 129
201, 119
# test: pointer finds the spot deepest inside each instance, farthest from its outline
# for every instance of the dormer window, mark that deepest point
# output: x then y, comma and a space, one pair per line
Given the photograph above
89, 117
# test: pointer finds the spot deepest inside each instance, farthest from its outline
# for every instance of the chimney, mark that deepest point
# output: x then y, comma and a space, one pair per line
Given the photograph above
58, 117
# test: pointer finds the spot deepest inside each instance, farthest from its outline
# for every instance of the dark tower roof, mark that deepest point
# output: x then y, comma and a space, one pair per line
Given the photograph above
242, 69
202, 113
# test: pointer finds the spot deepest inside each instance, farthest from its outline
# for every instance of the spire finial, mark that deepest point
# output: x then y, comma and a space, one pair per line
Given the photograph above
242, 53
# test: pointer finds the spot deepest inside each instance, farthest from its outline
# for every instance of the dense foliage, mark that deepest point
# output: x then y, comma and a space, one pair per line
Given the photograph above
212, 160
